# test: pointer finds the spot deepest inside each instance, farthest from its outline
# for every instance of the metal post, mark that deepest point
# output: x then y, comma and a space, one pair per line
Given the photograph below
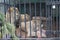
20, 15
35, 19
25, 15
59, 20
40, 19
30, 16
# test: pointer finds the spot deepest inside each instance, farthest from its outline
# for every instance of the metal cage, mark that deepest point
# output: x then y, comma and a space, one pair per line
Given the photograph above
44, 14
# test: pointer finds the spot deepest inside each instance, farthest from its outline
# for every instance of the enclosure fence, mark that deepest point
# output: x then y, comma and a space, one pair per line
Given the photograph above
33, 19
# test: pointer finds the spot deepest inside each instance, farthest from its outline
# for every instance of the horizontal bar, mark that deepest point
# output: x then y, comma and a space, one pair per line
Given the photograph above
41, 38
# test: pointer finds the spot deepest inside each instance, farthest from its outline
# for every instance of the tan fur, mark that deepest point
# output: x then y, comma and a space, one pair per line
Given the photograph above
27, 27
38, 23
10, 14
21, 32
23, 17
32, 26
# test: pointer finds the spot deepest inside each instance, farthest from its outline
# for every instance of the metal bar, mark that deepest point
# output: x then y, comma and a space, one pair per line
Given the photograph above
9, 12
35, 20
40, 20
59, 20
56, 19
51, 18
12, 14
30, 16
40, 38
25, 15
53, 22
46, 15
48, 21
20, 15
5, 12
14, 11
4, 8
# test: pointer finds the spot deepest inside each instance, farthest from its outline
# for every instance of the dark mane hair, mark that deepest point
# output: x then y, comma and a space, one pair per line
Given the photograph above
17, 22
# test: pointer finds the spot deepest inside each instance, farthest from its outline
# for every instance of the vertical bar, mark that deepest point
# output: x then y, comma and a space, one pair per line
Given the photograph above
40, 20
46, 14
48, 21
49, 16
35, 20
20, 15
5, 13
30, 16
9, 12
4, 8
59, 20
55, 20
25, 15
51, 19
54, 15
14, 14
14, 11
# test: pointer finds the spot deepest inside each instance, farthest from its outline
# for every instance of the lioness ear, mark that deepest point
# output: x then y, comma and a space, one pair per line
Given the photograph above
10, 9
22, 18
17, 10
